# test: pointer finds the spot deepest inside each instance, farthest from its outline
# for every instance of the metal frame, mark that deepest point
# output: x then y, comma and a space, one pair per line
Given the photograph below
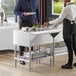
29, 43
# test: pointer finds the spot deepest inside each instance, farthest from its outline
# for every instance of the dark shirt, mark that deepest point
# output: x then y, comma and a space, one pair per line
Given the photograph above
27, 6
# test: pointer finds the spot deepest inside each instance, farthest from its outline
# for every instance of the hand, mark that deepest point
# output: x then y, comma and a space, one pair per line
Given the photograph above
25, 14
45, 23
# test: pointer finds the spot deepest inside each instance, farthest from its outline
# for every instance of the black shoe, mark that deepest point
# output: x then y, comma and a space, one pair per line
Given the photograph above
22, 62
67, 66
74, 64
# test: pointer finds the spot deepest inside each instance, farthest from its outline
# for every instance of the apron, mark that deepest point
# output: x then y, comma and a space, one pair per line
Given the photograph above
67, 29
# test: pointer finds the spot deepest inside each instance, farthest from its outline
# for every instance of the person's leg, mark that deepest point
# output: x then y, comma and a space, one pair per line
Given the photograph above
70, 51
68, 43
74, 45
22, 48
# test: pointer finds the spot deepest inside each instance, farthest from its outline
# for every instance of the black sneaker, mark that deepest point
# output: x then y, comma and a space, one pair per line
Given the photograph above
22, 62
74, 64
67, 66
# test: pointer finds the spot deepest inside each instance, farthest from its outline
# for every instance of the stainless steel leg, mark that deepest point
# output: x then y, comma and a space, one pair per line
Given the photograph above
53, 51
29, 58
15, 63
50, 60
1, 19
39, 51
15, 55
50, 55
54, 35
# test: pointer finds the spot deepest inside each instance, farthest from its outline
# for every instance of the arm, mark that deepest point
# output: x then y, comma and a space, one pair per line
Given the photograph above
17, 9
60, 19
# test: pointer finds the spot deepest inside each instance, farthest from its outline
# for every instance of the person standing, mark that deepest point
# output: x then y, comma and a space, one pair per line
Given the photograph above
67, 16
23, 8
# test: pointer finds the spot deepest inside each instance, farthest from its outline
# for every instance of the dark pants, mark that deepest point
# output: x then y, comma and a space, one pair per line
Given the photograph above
74, 42
69, 39
70, 43
24, 24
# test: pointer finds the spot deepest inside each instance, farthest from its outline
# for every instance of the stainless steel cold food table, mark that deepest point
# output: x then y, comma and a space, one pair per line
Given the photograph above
29, 39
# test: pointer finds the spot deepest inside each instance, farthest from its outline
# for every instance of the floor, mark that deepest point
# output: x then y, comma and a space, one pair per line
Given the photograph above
43, 69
